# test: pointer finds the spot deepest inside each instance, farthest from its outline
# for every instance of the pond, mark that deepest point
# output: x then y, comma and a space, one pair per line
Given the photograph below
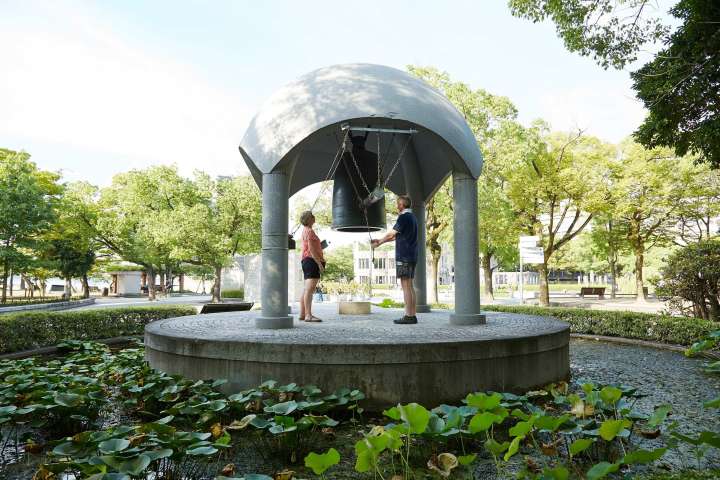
662, 376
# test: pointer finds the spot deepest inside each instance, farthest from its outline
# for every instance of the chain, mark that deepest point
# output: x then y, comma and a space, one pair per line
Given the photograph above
330, 174
381, 165
357, 168
392, 171
378, 180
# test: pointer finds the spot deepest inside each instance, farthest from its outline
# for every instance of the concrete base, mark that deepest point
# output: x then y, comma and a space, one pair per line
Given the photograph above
422, 308
274, 323
431, 362
472, 319
354, 308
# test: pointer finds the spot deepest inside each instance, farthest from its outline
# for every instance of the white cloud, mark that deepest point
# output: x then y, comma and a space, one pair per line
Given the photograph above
610, 113
70, 80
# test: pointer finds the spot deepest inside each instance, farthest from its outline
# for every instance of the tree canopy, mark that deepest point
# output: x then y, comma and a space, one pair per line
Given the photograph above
680, 87
611, 31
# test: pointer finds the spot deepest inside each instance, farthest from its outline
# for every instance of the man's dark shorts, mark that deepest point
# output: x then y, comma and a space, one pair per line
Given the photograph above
405, 269
310, 268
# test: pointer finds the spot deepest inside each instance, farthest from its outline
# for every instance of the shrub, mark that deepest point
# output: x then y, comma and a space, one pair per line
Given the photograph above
28, 330
235, 293
692, 275
644, 326
14, 301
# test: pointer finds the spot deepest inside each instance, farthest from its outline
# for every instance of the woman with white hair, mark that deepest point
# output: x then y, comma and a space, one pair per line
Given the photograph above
313, 265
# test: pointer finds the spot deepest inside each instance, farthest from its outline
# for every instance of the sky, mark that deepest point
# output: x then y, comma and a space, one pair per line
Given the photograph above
92, 89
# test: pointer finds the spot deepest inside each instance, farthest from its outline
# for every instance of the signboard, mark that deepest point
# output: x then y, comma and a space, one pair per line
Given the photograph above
529, 241
534, 259
532, 254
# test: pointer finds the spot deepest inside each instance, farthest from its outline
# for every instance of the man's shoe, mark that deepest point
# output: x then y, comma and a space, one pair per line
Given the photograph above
406, 320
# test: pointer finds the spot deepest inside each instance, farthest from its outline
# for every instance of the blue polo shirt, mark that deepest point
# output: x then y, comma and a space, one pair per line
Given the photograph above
406, 244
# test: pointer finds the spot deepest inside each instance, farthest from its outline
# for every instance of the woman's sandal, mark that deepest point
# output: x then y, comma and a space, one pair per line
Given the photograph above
313, 319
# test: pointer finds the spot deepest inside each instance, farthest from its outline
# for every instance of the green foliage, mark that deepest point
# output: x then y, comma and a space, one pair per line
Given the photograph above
237, 293
174, 427
27, 209
554, 184
692, 274
319, 463
484, 113
28, 330
642, 326
15, 301
673, 86
340, 267
612, 32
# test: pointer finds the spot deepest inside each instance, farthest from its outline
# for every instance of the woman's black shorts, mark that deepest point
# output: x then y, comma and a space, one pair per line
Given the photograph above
310, 268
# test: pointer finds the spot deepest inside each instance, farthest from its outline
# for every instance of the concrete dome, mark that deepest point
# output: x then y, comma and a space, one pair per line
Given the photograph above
298, 128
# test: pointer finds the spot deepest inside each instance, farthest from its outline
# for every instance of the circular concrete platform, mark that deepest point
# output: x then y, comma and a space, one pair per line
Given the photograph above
431, 362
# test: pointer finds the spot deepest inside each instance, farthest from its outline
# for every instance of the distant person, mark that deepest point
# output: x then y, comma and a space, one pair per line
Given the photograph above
313, 265
405, 235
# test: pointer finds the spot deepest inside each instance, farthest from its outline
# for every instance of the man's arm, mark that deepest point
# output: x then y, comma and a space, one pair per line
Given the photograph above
389, 237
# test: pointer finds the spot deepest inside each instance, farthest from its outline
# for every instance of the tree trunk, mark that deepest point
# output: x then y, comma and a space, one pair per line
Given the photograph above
151, 284
181, 282
613, 283
4, 282
163, 290
639, 284
216, 286
85, 286
43, 287
434, 267
12, 274
68, 288
714, 313
485, 261
544, 289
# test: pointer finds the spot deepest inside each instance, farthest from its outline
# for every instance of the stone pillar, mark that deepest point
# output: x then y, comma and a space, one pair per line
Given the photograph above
420, 281
467, 265
274, 277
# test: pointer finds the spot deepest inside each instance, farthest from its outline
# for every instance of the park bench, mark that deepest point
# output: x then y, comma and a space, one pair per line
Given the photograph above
599, 291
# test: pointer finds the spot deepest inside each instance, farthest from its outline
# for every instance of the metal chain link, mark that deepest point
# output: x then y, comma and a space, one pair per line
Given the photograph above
392, 171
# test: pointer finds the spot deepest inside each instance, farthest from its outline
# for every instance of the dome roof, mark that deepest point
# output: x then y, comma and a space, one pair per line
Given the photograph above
298, 127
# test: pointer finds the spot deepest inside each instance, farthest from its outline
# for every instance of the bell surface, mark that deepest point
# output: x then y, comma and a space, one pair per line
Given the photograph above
347, 213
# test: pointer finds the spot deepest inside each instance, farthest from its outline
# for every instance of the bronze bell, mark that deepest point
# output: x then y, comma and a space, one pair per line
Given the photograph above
349, 201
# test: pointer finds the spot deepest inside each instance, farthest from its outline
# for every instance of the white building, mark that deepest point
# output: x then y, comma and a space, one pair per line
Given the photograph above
383, 271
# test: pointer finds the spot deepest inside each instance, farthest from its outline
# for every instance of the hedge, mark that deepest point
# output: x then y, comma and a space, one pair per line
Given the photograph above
644, 326
14, 302
29, 330
234, 293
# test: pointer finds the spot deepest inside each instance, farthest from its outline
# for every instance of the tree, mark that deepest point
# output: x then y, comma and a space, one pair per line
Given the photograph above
133, 218
340, 266
611, 31
438, 224
72, 257
680, 86
554, 185
699, 205
692, 274
320, 206
70, 243
609, 241
27, 207
647, 186
225, 223
484, 113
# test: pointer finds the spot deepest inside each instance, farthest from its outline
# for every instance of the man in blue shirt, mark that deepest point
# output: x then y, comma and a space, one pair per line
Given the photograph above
405, 234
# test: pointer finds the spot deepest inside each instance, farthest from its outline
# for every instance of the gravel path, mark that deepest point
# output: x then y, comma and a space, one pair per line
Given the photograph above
664, 376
